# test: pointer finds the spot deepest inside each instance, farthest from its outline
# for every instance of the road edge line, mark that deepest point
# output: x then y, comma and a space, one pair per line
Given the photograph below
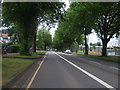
33, 77
89, 74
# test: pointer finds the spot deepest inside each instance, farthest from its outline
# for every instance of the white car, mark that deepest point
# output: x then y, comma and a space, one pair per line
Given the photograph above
68, 51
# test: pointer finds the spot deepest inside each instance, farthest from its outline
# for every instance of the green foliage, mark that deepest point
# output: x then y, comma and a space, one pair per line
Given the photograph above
103, 17
6, 44
41, 52
82, 17
12, 67
73, 26
26, 16
14, 48
75, 46
107, 21
44, 38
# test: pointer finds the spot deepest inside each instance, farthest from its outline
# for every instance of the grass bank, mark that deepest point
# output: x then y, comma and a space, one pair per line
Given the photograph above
34, 55
12, 67
41, 52
108, 58
79, 53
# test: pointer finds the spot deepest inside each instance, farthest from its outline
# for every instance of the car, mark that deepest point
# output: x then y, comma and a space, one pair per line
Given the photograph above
68, 51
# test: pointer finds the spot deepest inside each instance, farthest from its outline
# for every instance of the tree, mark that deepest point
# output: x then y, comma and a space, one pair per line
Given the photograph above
48, 16
65, 34
26, 16
40, 41
69, 29
103, 17
107, 22
44, 39
84, 19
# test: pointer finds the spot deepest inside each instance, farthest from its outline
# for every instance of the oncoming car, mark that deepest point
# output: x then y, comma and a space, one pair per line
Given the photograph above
68, 51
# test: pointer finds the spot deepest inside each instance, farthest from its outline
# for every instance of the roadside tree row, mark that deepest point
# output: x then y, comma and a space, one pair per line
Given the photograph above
26, 17
83, 17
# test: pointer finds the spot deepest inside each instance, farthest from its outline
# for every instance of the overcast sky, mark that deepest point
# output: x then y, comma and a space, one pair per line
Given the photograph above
92, 37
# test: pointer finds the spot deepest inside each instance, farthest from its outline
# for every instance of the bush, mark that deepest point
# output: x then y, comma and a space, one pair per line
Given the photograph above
13, 48
5, 44
4, 48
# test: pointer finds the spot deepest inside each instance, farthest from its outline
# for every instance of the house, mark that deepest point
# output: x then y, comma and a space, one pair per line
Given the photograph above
4, 38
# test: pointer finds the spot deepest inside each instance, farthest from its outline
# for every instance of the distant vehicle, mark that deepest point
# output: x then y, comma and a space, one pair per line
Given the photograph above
55, 49
68, 51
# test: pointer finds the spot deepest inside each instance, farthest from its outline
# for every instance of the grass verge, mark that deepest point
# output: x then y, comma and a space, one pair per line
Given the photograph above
79, 53
12, 67
34, 55
108, 58
41, 52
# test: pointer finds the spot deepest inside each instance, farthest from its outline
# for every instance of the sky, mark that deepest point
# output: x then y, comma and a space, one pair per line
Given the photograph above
92, 38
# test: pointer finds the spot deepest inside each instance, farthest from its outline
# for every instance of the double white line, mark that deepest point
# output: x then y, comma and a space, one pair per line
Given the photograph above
89, 74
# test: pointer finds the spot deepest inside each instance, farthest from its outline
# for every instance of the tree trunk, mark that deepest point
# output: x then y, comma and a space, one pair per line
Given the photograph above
86, 45
45, 47
104, 49
34, 41
24, 42
34, 31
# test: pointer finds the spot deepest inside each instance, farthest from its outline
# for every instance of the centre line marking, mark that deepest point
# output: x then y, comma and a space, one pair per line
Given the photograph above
96, 63
89, 74
33, 77
114, 68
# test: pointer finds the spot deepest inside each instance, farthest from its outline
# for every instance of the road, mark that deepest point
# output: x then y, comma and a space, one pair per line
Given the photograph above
60, 70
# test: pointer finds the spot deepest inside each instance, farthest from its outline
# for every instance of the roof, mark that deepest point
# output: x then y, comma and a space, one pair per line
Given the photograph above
4, 35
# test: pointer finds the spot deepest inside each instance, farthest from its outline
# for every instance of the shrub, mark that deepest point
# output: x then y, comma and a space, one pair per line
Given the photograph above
13, 48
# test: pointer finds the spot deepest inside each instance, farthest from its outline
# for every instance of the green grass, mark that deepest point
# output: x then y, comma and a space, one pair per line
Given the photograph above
79, 53
108, 58
12, 67
41, 52
34, 55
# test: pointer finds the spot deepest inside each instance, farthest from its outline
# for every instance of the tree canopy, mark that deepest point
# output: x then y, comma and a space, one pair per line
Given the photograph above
75, 23
44, 39
27, 16
107, 22
83, 17
66, 34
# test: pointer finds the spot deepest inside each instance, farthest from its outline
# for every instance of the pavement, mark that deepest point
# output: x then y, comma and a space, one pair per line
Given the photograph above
60, 70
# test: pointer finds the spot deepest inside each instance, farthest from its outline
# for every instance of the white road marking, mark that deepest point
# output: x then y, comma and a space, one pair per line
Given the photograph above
96, 63
89, 74
31, 81
114, 68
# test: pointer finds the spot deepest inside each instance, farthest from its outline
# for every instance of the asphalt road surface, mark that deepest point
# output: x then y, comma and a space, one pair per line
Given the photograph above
60, 70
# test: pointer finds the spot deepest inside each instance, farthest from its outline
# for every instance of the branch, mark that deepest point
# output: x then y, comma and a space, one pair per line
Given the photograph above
113, 17
112, 33
100, 31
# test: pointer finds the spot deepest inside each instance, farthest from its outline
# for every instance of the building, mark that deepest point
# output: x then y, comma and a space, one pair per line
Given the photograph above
4, 38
